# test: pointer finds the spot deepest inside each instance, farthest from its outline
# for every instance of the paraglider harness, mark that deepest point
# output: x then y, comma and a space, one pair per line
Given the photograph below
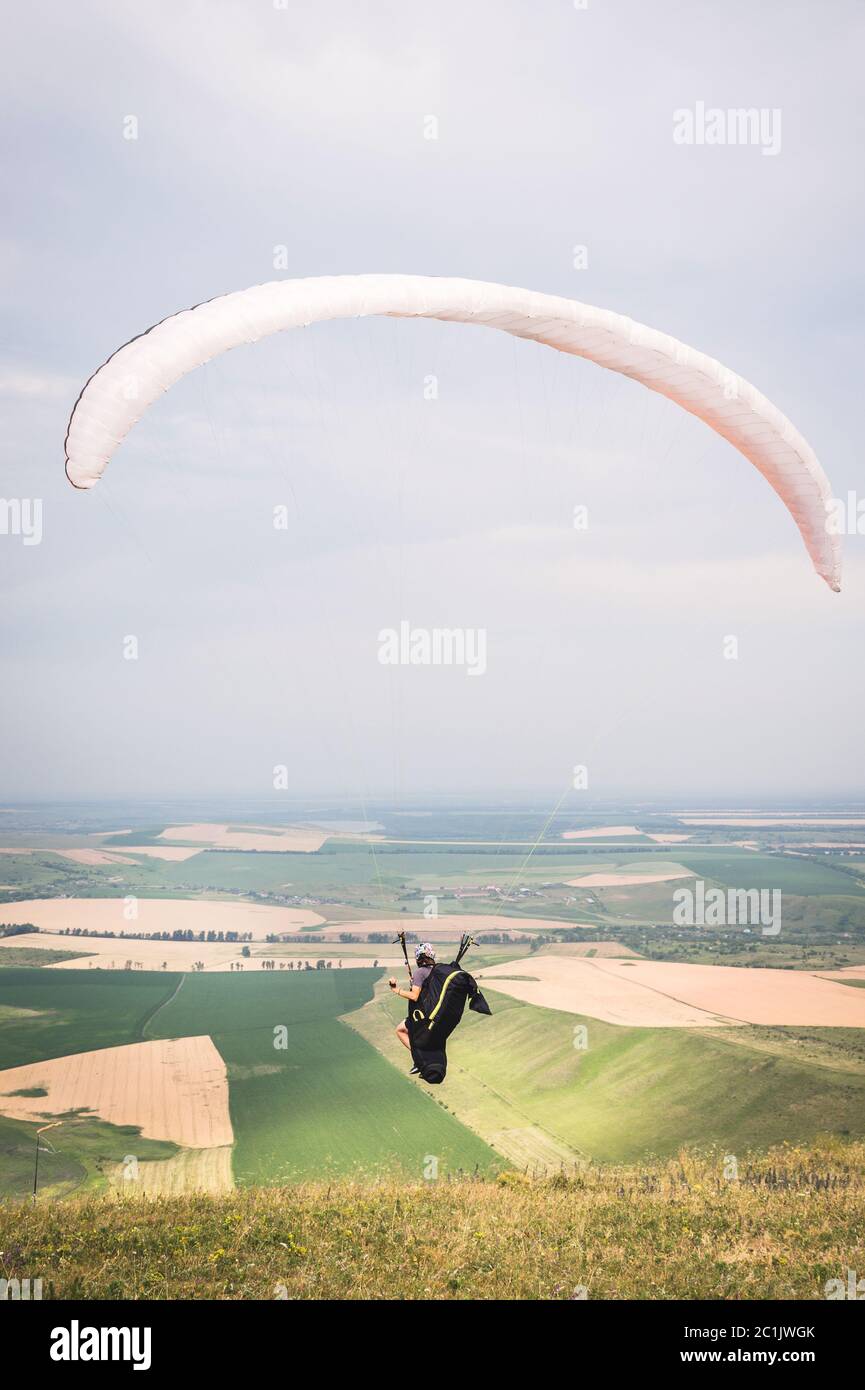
438, 1010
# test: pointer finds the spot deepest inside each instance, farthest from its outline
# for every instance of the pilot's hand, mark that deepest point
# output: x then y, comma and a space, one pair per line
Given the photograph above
392, 982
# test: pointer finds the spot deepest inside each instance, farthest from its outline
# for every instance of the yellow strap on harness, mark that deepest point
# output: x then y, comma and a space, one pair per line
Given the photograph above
442, 995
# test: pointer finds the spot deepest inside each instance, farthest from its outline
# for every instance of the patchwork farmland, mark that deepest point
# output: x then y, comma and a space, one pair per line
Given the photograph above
258, 1066
203, 1006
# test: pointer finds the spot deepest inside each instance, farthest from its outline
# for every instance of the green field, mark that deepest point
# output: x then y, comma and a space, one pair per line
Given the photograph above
326, 1104
749, 869
68, 1011
377, 869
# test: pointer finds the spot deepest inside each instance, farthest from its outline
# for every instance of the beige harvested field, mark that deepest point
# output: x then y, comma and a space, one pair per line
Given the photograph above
290, 839
670, 839
759, 996
600, 949
595, 989
119, 953
175, 1089
153, 915
370, 961
624, 880
449, 928
668, 995
174, 853
92, 856
128, 953
603, 830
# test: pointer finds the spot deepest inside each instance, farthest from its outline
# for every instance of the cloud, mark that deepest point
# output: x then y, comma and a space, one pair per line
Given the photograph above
30, 385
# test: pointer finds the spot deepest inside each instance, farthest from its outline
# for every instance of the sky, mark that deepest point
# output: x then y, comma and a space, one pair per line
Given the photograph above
274, 141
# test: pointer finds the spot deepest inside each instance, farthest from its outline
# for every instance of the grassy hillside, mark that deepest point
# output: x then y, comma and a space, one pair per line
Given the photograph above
517, 1080
327, 1102
787, 1224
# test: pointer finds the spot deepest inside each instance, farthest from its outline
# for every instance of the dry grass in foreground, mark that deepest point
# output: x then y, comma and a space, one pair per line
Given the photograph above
792, 1220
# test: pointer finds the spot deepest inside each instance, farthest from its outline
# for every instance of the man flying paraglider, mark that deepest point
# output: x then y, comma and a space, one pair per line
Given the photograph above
425, 958
437, 996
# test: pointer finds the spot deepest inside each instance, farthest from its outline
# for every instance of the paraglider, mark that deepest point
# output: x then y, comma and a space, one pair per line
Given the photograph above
119, 392
437, 998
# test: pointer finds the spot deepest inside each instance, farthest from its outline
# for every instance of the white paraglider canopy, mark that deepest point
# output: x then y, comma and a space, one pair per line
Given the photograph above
133, 377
